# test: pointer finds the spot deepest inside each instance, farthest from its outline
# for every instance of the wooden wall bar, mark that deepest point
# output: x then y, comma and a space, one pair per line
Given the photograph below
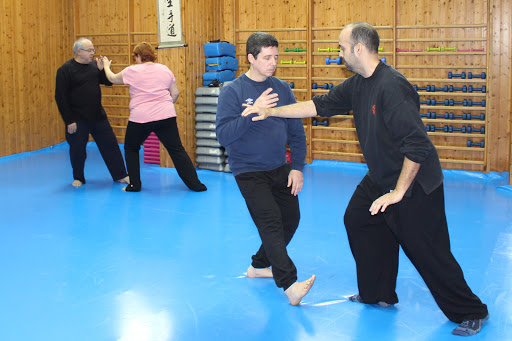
478, 24
34, 40
40, 39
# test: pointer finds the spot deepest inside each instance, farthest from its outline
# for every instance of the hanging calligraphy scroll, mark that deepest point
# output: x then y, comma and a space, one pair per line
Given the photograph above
169, 23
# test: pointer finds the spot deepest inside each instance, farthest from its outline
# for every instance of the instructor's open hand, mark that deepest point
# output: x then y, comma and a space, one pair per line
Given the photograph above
381, 203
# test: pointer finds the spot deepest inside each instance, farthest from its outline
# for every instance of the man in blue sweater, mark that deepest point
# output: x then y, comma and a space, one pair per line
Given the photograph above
257, 158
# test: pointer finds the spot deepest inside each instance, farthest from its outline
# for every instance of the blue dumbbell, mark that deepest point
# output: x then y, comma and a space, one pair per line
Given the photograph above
434, 128
451, 88
458, 75
329, 61
446, 115
471, 75
463, 102
482, 89
471, 103
383, 59
420, 87
433, 101
433, 88
429, 115
324, 123
475, 144
292, 85
324, 86
462, 129
469, 116
480, 130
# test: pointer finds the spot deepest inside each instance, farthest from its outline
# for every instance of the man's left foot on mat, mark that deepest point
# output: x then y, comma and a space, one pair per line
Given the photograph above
298, 290
469, 327
356, 298
253, 272
125, 180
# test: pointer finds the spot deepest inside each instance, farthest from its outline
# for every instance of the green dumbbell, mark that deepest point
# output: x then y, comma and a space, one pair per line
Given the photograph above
453, 49
430, 49
286, 61
295, 62
294, 50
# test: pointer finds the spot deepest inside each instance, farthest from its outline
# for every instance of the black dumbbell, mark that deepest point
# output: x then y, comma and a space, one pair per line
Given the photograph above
469, 116
471, 75
451, 88
324, 123
483, 89
480, 130
458, 75
463, 102
475, 144
471, 103
433, 88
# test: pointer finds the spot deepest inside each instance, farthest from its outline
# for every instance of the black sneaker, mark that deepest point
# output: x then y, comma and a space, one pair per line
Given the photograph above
469, 327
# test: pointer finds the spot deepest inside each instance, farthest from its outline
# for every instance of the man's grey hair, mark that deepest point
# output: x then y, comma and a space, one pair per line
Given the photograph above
79, 44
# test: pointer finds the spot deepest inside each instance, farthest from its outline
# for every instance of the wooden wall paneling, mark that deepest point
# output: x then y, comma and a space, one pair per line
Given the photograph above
30, 38
7, 78
499, 151
446, 25
200, 25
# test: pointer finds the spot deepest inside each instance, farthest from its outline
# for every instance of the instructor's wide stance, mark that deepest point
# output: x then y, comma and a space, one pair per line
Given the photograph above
400, 201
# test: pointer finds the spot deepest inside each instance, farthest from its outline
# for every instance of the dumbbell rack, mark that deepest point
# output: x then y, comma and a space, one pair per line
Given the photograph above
414, 50
431, 67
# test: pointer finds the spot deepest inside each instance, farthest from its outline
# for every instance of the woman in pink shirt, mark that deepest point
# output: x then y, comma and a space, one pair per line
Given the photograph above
153, 92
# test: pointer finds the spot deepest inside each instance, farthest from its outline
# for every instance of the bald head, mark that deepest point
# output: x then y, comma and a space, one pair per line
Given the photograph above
364, 33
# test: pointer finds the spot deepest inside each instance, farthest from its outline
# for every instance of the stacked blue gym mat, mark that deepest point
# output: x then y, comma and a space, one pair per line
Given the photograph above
221, 65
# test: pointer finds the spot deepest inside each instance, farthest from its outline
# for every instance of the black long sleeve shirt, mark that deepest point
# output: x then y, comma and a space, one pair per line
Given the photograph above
77, 91
388, 125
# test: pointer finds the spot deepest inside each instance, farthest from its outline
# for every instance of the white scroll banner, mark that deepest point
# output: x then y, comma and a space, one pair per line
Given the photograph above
169, 24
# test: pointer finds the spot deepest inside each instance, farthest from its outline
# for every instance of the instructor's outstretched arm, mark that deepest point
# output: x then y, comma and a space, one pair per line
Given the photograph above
297, 110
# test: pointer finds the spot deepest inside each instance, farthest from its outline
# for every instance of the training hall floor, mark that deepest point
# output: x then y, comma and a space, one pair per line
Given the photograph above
95, 263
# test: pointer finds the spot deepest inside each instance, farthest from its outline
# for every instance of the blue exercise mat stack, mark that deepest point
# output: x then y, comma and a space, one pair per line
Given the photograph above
221, 62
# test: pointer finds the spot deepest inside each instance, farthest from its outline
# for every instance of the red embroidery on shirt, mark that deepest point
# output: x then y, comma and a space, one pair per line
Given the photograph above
373, 109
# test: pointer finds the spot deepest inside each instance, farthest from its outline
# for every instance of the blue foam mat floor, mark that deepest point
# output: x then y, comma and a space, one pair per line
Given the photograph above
96, 263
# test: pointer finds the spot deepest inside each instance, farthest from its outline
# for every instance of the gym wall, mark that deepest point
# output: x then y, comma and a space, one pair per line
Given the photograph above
37, 39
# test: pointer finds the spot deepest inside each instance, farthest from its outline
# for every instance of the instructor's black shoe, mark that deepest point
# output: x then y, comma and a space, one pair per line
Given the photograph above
198, 188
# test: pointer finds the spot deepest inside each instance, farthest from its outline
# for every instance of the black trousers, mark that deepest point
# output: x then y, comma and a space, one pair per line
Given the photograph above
417, 224
167, 132
275, 212
106, 141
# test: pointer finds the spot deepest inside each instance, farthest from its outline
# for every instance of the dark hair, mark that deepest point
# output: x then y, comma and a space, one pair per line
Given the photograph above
258, 40
365, 34
145, 51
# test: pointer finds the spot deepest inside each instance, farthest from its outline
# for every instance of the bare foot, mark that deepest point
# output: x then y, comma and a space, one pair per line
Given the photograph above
252, 272
77, 183
298, 290
125, 180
